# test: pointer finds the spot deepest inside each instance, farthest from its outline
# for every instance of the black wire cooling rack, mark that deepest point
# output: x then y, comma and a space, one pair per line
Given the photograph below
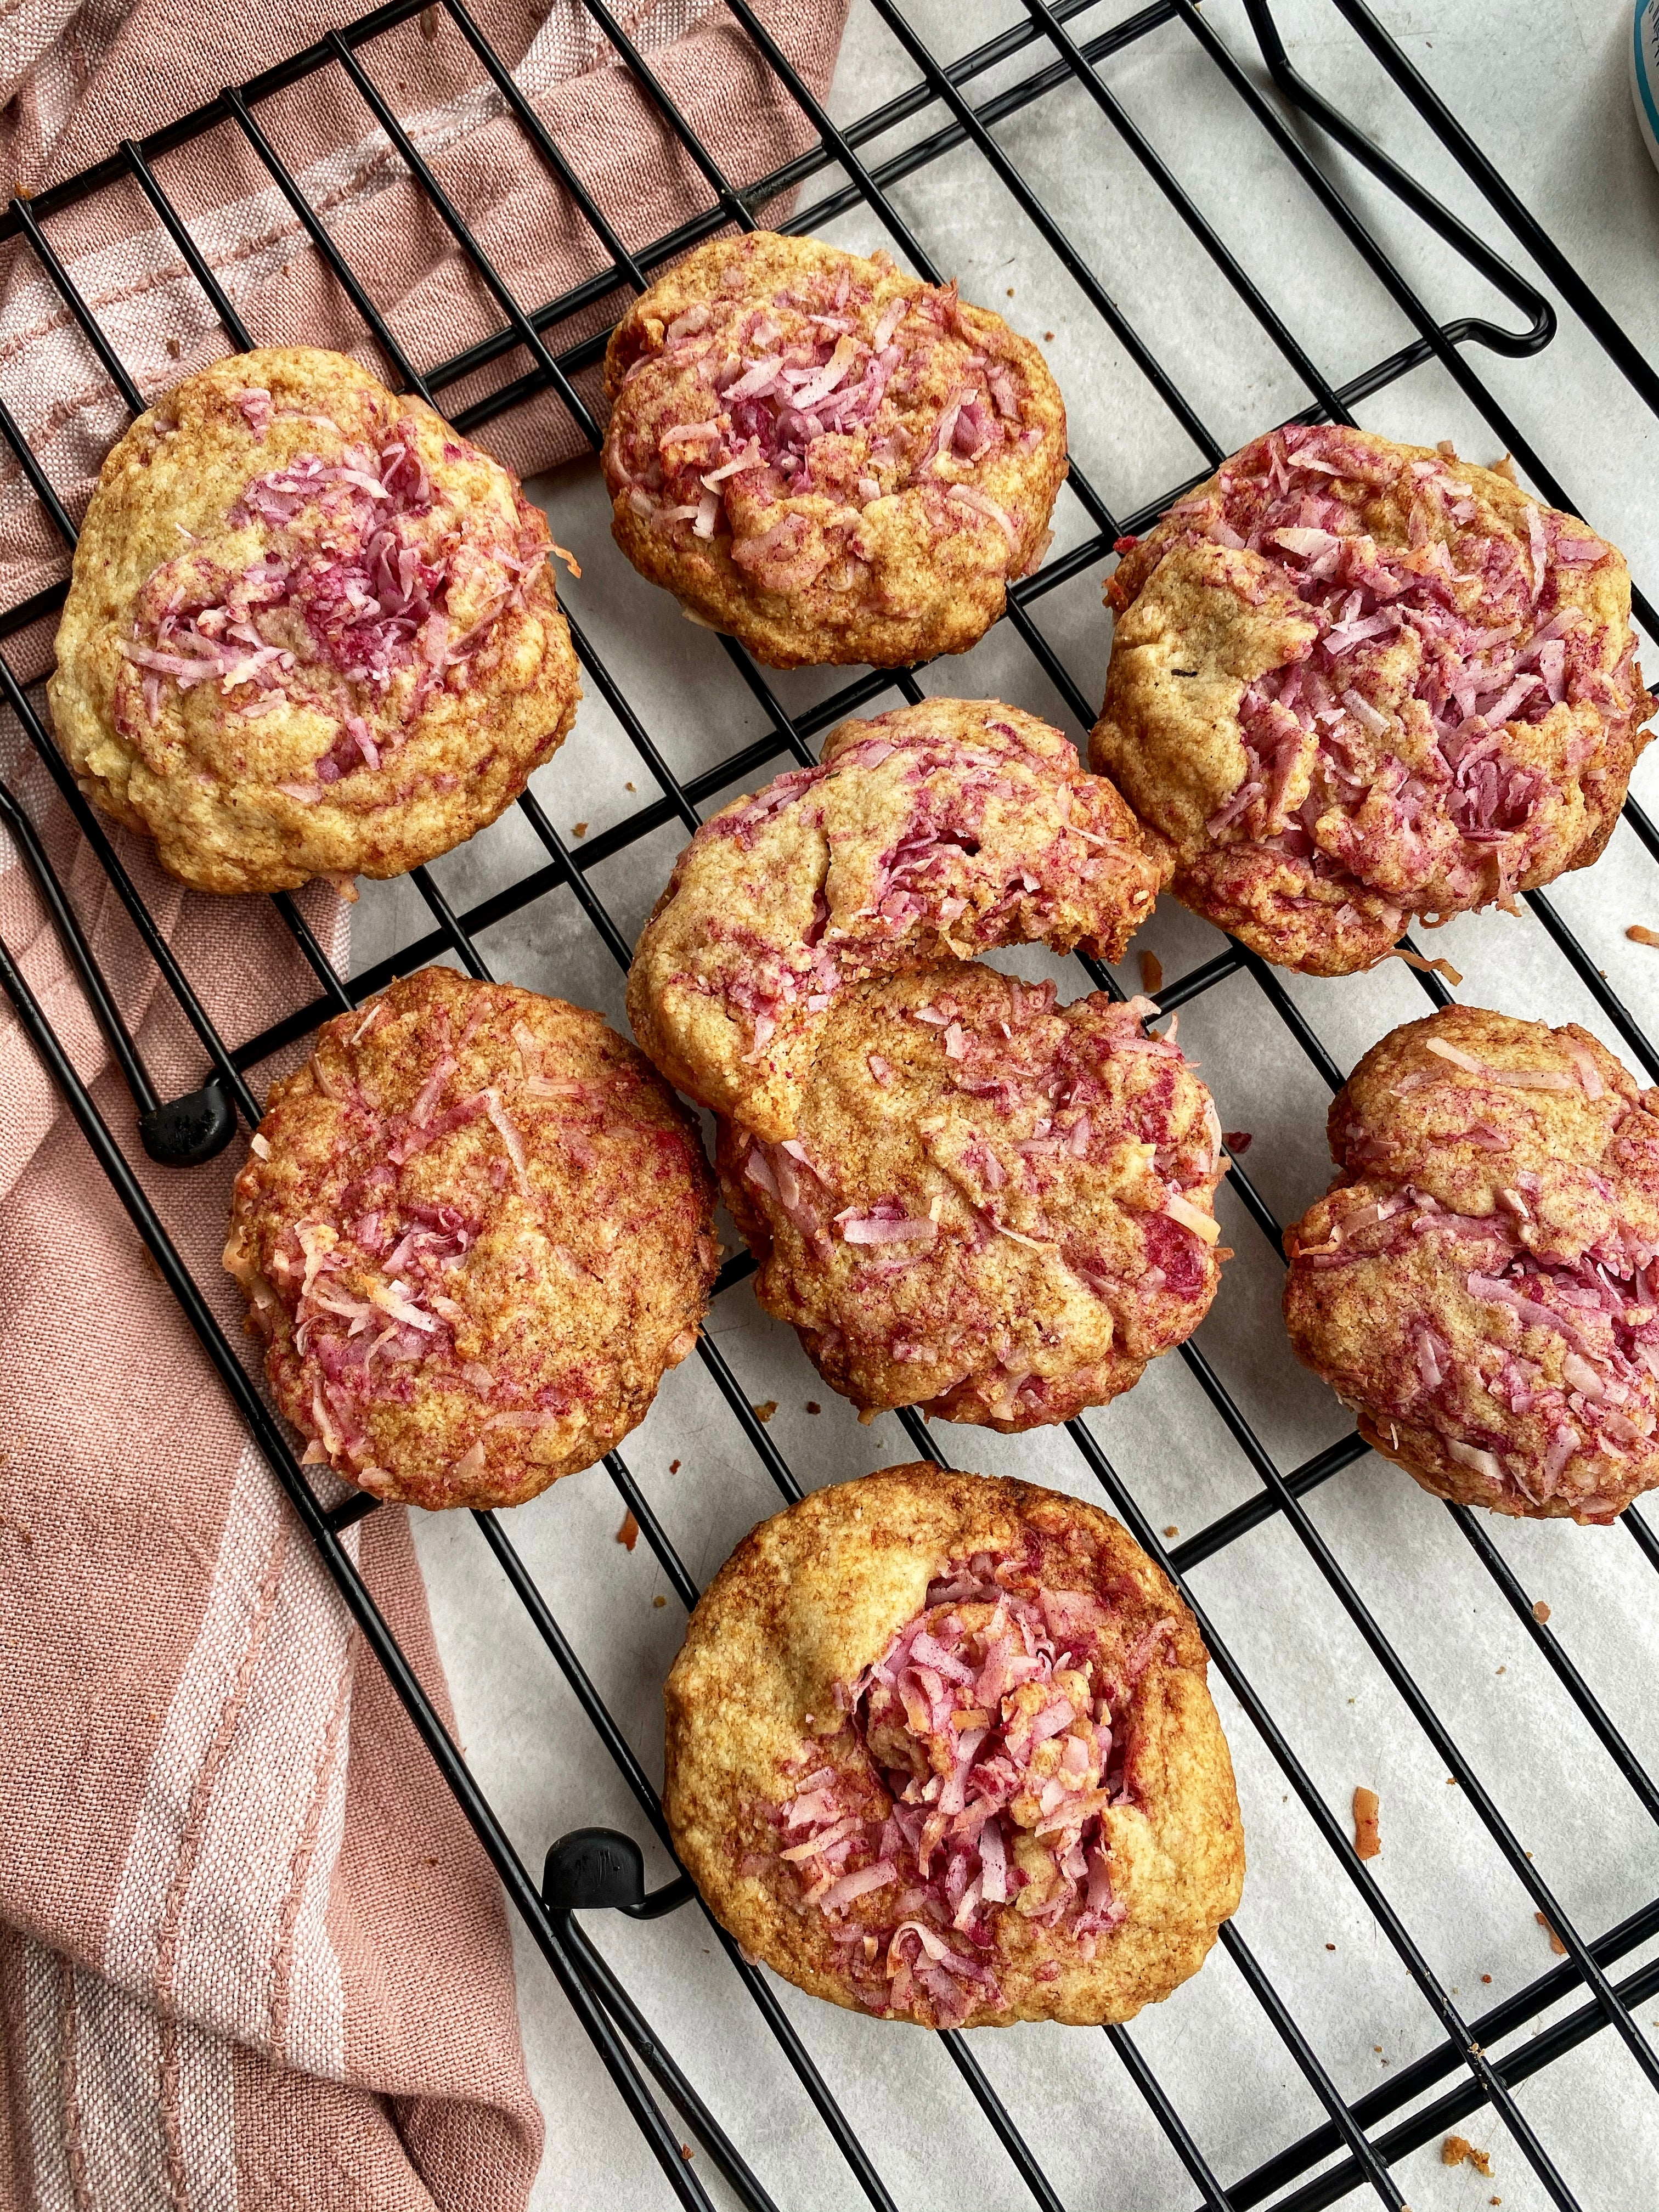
1463, 2067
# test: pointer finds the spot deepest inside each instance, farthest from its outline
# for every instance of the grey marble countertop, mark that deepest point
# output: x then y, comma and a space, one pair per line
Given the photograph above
1544, 89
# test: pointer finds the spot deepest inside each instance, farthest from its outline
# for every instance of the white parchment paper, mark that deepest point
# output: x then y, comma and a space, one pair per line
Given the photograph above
1542, 85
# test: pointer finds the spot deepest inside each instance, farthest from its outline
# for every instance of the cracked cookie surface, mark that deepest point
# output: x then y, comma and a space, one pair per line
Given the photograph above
929, 834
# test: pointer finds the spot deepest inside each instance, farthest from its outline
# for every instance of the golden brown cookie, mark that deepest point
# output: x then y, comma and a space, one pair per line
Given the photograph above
941, 1748
826, 458
996, 1209
1481, 1283
474, 1232
929, 834
1355, 683
311, 631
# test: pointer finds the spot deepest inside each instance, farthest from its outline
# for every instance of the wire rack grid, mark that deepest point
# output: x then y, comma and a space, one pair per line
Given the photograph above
1463, 2062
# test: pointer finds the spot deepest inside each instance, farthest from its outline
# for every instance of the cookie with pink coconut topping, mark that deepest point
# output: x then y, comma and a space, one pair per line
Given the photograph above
474, 1232
1356, 684
996, 1208
1481, 1283
941, 1749
826, 458
929, 834
311, 631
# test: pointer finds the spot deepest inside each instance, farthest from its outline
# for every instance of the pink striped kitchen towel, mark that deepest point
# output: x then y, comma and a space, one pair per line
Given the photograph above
250, 1954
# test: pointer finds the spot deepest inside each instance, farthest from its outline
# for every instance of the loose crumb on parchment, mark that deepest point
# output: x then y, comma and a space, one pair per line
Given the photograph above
1367, 1841
1458, 2150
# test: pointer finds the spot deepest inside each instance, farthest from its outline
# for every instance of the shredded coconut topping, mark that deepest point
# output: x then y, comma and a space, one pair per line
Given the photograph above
1071, 1135
940, 836
371, 1299
989, 1743
817, 403
1395, 750
347, 611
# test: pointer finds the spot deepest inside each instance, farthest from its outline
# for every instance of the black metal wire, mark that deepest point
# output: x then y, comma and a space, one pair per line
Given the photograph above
1060, 59
218, 299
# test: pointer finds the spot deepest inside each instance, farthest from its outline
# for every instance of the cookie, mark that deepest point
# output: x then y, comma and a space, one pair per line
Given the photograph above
997, 1209
824, 458
474, 1232
1357, 685
929, 834
1481, 1283
311, 631
941, 1749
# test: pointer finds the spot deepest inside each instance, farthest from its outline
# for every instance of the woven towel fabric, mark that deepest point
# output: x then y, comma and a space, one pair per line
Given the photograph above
250, 1953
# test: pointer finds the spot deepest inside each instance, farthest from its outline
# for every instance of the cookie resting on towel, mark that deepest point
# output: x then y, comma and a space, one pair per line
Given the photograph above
996, 1209
932, 833
1481, 1284
311, 631
941, 1748
826, 458
474, 1232
1355, 683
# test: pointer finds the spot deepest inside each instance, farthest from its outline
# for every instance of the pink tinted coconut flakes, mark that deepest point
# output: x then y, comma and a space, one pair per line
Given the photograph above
805, 407
1551, 1397
990, 1742
375, 1274
358, 563
1466, 823
896, 1267
954, 876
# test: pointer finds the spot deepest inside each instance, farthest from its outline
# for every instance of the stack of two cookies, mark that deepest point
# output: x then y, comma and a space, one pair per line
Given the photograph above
963, 1195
